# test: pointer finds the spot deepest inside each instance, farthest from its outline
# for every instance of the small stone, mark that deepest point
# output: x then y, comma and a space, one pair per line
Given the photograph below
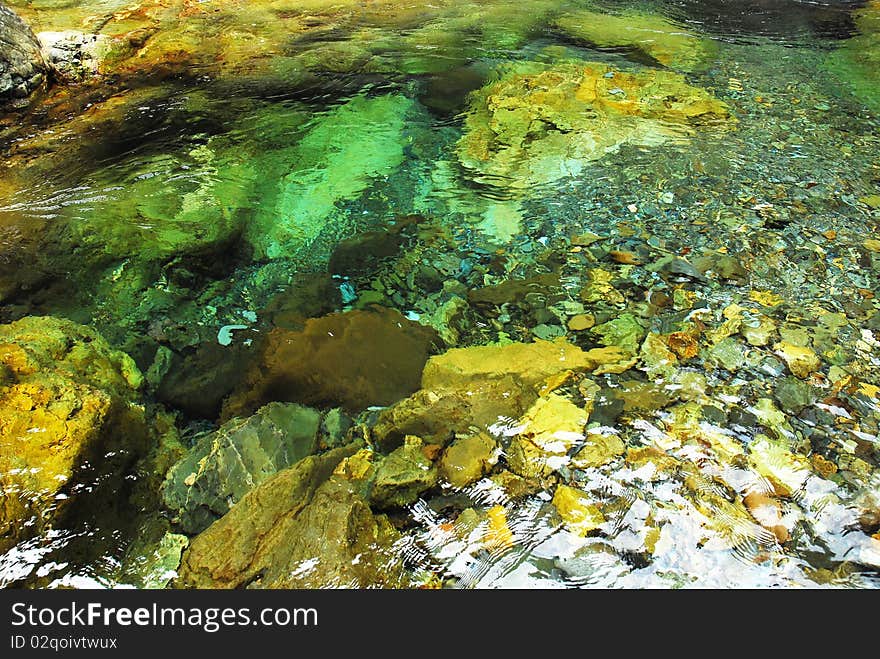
467, 460
403, 476
728, 354
581, 322
577, 511
801, 361
872, 244
598, 450
624, 332
585, 239
874, 202
760, 334
793, 395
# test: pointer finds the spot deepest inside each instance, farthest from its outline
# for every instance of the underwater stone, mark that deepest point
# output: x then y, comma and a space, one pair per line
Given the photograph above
480, 386
655, 36
539, 124
197, 383
403, 475
301, 528
801, 361
67, 400
793, 395
577, 511
353, 359
625, 332
549, 430
226, 464
468, 459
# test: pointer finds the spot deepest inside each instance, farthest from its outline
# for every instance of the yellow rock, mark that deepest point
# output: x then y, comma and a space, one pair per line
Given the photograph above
530, 363
539, 123
581, 322
550, 428
498, 536
468, 459
784, 470
356, 467
801, 361
653, 35
766, 298
768, 512
656, 357
576, 510
66, 398
598, 450
872, 244
599, 288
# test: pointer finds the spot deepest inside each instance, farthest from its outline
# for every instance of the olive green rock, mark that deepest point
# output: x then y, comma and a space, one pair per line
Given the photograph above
224, 465
404, 475
625, 332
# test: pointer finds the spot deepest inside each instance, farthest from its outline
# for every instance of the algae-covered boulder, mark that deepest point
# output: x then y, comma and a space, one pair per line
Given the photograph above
647, 34
68, 402
301, 528
541, 123
224, 465
22, 67
354, 359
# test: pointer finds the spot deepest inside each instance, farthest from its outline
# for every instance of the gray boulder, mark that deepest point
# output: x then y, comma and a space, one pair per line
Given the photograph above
226, 464
22, 67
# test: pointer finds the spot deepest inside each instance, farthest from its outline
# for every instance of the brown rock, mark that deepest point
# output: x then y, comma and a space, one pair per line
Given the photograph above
301, 528
354, 359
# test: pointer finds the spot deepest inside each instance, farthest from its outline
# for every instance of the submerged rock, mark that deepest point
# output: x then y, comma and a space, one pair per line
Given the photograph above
301, 528
225, 465
354, 359
22, 67
403, 476
648, 34
468, 459
548, 431
69, 406
539, 124
481, 386
334, 161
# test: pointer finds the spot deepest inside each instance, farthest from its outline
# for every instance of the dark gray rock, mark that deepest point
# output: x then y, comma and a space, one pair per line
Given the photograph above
22, 67
226, 464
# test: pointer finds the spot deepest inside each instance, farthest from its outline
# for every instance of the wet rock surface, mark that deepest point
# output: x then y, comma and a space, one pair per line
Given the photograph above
71, 412
22, 67
354, 359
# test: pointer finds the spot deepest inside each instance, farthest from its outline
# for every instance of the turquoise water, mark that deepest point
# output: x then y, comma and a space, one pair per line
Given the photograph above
305, 203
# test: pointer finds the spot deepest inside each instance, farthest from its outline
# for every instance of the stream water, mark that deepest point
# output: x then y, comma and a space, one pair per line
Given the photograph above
302, 202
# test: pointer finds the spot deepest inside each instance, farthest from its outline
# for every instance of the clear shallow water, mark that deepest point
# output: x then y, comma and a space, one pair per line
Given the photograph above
195, 199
